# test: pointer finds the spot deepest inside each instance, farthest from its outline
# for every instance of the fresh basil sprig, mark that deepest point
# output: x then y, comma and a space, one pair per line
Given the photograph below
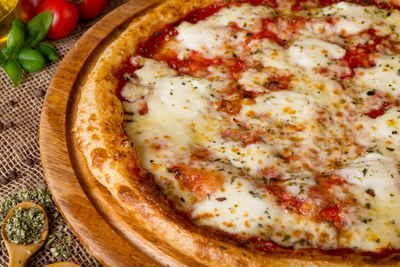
14, 70
31, 60
48, 51
16, 37
24, 50
2, 58
38, 27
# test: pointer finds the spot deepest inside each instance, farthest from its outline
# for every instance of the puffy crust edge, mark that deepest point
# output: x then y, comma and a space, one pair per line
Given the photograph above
112, 160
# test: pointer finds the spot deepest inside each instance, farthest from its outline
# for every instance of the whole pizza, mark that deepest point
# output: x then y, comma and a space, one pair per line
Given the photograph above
254, 132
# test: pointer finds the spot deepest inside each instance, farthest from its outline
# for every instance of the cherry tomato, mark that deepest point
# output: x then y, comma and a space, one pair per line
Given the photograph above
29, 8
65, 17
89, 9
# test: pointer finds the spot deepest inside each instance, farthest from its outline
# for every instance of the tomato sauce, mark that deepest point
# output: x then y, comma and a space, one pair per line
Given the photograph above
384, 253
287, 200
148, 47
262, 244
375, 113
195, 64
332, 214
266, 33
318, 202
244, 135
201, 182
152, 44
360, 55
126, 68
270, 3
298, 6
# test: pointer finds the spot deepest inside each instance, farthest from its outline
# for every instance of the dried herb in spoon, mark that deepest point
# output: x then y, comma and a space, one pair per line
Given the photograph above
25, 226
61, 244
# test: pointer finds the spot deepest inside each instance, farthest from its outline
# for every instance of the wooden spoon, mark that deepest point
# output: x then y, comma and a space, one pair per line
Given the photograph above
19, 253
63, 264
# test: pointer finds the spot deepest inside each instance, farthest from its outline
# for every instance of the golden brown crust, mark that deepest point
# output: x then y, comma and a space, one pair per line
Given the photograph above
112, 160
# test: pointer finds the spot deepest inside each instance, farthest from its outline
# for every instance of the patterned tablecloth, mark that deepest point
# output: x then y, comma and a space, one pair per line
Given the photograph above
21, 174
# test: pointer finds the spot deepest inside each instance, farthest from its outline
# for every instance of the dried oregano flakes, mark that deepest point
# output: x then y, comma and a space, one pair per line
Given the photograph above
25, 226
59, 245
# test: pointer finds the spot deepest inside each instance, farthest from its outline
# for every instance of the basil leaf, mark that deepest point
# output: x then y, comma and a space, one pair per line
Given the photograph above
2, 59
48, 51
39, 26
4, 51
31, 60
4, 55
13, 70
16, 36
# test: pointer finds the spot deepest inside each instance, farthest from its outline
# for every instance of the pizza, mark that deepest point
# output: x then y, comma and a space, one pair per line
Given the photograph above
253, 132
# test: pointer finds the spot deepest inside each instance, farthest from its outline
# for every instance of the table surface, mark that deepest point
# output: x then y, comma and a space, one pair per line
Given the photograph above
19, 149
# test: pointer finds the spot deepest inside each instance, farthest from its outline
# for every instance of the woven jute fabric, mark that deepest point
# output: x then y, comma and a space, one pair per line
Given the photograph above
21, 106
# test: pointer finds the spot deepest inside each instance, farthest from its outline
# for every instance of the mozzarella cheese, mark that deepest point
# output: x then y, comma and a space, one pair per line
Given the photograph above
245, 16
352, 18
313, 53
385, 76
376, 225
258, 213
300, 123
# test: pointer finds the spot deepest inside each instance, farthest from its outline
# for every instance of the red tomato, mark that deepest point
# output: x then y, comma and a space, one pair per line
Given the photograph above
65, 17
29, 8
90, 9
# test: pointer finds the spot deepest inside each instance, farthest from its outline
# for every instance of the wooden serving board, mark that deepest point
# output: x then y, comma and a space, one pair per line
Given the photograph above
89, 209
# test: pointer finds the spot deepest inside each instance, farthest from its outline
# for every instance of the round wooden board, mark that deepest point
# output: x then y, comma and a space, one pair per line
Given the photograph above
89, 209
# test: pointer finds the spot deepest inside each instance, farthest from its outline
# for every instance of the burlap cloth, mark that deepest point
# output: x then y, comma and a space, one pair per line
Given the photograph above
20, 142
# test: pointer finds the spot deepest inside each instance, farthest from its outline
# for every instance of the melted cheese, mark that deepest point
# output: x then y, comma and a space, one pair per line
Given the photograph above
391, 25
268, 53
246, 16
376, 225
308, 127
383, 132
352, 18
253, 157
211, 36
203, 37
250, 211
314, 53
174, 103
384, 77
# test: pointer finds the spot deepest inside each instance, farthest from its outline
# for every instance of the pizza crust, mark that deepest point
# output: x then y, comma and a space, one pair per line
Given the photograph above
112, 160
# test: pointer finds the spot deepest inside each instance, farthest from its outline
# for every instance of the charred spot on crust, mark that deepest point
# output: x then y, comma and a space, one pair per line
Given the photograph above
95, 137
117, 155
148, 176
125, 143
99, 156
107, 178
127, 195
92, 117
